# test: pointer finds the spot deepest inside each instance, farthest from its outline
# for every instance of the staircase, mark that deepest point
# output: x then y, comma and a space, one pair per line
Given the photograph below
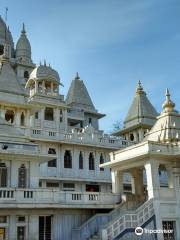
96, 225
127, 220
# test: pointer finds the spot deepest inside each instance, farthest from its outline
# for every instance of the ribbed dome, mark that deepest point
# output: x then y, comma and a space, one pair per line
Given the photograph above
43, 72
5, 34
23, 47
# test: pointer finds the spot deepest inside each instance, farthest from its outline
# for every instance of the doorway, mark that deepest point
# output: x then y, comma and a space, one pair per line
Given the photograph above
45, 227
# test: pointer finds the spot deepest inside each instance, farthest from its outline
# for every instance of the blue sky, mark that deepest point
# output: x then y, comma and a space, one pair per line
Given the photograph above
111, 43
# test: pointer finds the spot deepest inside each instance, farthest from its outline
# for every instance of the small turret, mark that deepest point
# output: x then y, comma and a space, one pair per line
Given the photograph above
140, 118
168, 105
23, 48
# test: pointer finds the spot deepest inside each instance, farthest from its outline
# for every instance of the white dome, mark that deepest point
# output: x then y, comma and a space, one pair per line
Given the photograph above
44, 72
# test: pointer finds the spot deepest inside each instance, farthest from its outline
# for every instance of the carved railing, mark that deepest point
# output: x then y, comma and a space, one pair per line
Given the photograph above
81, 138
131, 219
52, 196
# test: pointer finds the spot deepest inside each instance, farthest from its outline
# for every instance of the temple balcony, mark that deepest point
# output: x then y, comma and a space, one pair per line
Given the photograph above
91, 139
43, 198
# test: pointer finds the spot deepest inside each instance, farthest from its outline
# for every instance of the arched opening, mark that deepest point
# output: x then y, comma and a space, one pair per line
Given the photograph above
1, 49
163, 176
3, 175
80, 160
48, 87
22, 176
22, 119
49, 114
26, 74
131, 137
101, 161
9, 116
67, 159
91, 161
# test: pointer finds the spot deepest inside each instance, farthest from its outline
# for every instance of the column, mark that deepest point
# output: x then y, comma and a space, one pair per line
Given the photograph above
52, 88
170, 176
12, 227
33, 227
43, 86
36, 87
152, 174
117, 181
137, 181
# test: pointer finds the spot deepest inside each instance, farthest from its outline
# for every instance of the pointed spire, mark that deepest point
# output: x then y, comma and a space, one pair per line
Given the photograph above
168, 105
23, 29
77, 76
139, 88
45, 62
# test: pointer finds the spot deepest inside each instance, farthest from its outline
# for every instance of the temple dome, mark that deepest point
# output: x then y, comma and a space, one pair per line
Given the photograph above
43, 72
5, 34
167, 127
23, 47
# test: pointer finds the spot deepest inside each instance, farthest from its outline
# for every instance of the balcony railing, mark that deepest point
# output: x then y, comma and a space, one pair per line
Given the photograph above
82, 138
48, 196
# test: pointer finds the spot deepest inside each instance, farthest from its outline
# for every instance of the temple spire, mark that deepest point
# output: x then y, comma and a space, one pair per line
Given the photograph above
77, 76
23, 29
168, 105
139, 88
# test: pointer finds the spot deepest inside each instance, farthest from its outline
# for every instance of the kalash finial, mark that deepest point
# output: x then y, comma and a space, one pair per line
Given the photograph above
77, 76
139, 88
23, 29
168, 105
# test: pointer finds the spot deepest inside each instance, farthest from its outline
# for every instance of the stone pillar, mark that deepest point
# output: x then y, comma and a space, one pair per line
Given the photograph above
152, 174
12, 227
36, 87
42, 117
33, 227
117, 181
170, 176
43, 86
52, 88
137, 181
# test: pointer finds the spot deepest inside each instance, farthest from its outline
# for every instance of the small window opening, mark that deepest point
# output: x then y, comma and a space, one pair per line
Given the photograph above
67, 159
80, 160
91, 161
49, 114
22, 119
9, 116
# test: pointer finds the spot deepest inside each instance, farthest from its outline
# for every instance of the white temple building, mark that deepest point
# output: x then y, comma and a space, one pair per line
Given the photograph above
61, 177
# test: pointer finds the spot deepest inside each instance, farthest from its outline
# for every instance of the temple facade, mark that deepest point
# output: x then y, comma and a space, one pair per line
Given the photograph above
61, 177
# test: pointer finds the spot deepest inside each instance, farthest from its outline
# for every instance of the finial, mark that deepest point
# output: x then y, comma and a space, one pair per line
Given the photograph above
168, 105
77, 76
23, 29
139, 88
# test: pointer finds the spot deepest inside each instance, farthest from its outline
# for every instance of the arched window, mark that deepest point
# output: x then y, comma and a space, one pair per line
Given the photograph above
3, 175
49, 114
101, 161
26, 74
22, 119
131, 137
67, 159
91, 161
1, 49
22, 177
80, 160
9, 116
